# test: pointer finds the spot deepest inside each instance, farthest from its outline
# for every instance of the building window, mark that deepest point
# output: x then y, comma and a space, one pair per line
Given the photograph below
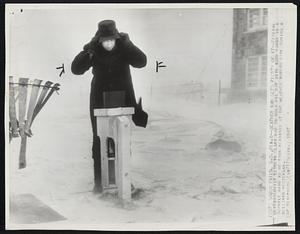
256, 71
265, 17
263, 71
257, 18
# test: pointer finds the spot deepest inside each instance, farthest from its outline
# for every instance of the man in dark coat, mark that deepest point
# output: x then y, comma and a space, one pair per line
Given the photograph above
109, 53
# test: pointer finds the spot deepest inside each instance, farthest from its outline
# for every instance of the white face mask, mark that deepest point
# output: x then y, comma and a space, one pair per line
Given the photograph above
109, 44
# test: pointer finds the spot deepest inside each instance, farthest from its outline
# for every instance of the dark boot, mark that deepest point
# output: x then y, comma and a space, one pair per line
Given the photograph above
97, 188
97, 165
97, 177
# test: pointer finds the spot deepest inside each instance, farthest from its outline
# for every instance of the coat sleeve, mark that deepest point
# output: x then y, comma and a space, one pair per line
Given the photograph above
134, 56
81, 63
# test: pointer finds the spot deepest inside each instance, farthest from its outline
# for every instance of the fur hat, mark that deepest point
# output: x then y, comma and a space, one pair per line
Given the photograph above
107, 30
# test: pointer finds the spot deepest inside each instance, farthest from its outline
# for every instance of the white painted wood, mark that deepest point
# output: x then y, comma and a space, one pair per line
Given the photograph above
123, 139
118, 127
22, 103
114, 135
41, 99
22, 111
114, 111
102, 131
12, 109
33, 97
22, 155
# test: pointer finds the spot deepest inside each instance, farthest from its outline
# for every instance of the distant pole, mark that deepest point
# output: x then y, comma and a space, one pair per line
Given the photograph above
219, 94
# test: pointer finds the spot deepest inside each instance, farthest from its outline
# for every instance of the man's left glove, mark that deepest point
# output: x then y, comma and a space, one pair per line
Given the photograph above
124, 39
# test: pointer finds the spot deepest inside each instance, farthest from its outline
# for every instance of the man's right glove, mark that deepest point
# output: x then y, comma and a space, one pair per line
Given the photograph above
90, 47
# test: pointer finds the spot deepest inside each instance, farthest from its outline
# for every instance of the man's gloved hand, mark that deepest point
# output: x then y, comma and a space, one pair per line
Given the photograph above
124, 36
87, 48
125, 41
90, 47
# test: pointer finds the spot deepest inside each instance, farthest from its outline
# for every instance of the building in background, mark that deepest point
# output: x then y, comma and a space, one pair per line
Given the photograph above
249, 54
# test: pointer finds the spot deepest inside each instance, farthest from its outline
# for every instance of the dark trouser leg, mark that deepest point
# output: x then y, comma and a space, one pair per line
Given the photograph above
97, 164
96, 154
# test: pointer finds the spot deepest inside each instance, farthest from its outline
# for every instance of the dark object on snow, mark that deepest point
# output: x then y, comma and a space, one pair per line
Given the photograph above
224, 145
137, 193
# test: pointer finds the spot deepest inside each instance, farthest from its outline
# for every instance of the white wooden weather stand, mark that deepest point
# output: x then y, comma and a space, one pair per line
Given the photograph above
114, 130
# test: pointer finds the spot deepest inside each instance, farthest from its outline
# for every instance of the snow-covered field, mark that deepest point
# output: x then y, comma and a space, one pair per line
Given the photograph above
182, 180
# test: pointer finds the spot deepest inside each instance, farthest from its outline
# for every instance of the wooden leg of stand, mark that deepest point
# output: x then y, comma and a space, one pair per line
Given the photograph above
124, 184
22, 155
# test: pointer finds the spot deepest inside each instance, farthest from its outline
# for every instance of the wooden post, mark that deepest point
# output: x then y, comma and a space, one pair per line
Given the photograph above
22, 128
42, 96
12, 109
31, 105
114, 124
22, 111
123, 156
22, 155
103, 133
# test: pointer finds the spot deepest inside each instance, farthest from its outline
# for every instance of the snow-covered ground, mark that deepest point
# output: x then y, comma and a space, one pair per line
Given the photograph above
182, 180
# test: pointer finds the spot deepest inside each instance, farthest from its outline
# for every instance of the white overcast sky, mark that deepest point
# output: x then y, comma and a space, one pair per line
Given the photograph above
195, 44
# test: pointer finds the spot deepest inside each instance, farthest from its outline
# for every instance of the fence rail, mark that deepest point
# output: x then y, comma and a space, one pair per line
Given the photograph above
20, 125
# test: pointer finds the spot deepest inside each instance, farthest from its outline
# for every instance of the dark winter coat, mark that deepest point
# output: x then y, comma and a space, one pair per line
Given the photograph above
110, 69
